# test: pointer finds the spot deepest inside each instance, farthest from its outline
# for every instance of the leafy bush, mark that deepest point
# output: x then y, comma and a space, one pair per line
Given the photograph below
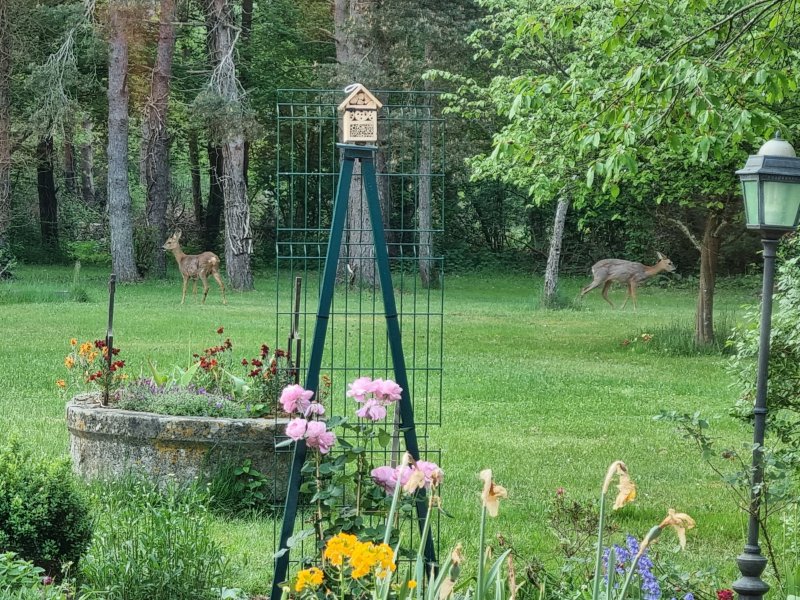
43, 518
21, 579
90, 252
8, 263
151, 543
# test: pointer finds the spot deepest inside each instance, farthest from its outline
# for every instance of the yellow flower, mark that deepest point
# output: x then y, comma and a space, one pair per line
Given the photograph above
61, 383
491, 493
91, 356
680, 522
411, 584
308, 578
362, 560
73, 342
339, 547
69, 361
85, 348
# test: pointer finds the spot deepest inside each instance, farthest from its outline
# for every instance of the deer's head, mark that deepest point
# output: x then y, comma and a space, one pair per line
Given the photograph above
172, 241
664, 263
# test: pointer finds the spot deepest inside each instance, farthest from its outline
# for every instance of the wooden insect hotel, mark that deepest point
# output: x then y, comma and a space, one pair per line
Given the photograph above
360, 115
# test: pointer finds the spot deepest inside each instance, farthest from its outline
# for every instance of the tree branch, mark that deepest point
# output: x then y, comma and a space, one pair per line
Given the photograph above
682, 226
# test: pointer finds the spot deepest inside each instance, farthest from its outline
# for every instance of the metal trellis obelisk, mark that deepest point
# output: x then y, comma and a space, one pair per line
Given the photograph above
356, 128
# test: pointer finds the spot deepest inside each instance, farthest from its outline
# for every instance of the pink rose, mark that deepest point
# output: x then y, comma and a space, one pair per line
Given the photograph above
387, 390
360, 388
315, 408
296, 429
295, 399
317, 436
372, 410
385, 477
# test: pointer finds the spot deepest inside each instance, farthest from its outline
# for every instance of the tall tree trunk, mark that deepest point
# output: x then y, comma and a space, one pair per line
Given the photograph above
119, 199
216, 198
360, 247
238, 237
194, 170
87, 162
5, 122
46, 189
352, 48
427, 265
709, 258
247, 29
156, 142
70, 180
550, 295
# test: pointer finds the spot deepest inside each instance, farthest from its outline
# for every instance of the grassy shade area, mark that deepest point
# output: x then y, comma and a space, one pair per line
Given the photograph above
547, 399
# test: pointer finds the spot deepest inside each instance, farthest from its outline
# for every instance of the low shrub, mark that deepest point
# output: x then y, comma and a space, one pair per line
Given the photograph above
152, 543
43, 517
145, 396
21, 579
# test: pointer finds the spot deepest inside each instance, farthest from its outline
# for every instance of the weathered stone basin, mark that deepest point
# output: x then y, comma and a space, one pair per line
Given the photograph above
108, 441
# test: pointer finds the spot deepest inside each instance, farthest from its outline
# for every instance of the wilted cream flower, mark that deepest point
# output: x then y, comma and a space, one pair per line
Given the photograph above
680, 522
456, 558
626, 487
491, 493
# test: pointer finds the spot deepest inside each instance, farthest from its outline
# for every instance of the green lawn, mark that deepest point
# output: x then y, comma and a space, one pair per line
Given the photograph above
546, 399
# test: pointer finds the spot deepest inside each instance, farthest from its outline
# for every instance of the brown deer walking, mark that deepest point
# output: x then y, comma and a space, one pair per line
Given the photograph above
609, 270
195, 266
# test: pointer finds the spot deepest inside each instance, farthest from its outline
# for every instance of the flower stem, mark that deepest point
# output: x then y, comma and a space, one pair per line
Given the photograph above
481, 555
392, 510
599, 556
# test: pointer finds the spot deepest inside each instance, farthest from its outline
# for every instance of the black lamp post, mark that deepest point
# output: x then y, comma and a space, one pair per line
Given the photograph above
771, 187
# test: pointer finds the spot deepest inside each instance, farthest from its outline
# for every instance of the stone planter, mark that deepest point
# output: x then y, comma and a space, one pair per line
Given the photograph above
111, 442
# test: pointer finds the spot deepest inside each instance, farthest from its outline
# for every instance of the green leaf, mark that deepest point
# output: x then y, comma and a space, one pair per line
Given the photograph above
590, 177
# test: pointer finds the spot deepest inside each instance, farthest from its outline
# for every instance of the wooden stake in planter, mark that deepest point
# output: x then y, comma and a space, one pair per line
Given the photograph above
112, 286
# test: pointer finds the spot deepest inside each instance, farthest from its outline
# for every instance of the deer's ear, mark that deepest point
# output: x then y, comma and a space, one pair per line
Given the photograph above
177, 234
661, 256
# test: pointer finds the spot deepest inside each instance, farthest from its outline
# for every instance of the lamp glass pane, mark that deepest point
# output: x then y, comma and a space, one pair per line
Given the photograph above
781, 203
750, 190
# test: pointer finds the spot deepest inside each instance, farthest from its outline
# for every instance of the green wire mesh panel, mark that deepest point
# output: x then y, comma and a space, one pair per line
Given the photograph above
411, 186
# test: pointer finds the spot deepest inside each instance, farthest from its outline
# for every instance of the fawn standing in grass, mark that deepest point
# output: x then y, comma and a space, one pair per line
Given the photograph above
630, 273
195, 266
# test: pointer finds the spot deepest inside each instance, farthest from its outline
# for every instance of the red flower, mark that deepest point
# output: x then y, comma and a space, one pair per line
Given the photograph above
244, 362
255, 372
279, 353
257, 363
264, 350
221, 330
99, 344
725, 594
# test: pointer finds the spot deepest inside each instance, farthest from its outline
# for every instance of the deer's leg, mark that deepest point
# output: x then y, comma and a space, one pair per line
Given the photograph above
204, 277
185, 283
194, 288
633, 294
606, 287
221, 285
627, 295
590, 287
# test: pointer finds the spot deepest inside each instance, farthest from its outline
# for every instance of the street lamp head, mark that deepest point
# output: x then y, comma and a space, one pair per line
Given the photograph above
771, 188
